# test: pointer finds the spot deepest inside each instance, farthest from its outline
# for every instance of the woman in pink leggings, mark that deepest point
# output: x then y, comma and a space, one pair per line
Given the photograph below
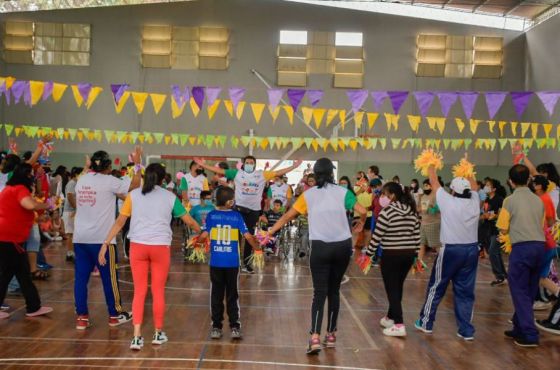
150, 210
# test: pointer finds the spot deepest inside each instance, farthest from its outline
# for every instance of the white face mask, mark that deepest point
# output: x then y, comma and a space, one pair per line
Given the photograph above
279, 183
249, 168
487, 189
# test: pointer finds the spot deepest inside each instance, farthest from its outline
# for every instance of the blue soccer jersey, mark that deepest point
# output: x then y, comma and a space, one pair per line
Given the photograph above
225, 228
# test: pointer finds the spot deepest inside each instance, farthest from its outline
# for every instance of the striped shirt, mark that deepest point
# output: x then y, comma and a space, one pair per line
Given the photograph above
397, 227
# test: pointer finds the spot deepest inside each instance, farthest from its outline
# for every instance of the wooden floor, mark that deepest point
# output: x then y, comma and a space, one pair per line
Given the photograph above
275, 315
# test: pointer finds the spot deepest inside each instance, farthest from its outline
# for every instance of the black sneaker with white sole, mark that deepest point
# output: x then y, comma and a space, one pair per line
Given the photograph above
521, 342
498, 282
216, 333
548, 326
236, 333
120, 319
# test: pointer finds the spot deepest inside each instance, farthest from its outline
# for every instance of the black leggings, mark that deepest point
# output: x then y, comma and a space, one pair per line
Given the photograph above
14, 262
250, 218
394, 268
224, 284
328, 263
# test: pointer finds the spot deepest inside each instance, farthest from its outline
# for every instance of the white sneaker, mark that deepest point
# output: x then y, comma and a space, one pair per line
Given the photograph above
395, 331
386, 322
57, 238
137, 343
541, 306
159, 338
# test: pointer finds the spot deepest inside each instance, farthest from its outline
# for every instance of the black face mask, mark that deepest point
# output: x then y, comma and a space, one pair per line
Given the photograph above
428, 192
199, 171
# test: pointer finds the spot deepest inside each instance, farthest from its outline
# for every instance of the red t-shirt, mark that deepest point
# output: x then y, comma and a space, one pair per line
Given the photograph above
549, 211
15, 221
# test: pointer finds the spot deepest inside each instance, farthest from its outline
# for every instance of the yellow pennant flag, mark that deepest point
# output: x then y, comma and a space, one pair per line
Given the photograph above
440, 124
514, 128
473, 124
501, 126
192, 140
392, 120
36, 89
289, 112
139, 99
318, 114
358, 119
431, 123
460, 124
124, 98
491, 125
213, 108
58, 91
274, 112
371, 119
194, 107
229, 107
80, 135
240, 109
534, 130
93, 94
414, 122
524, 128
77, 96
307, 114
353, 144
314, 144
342, 118
331, 113
257, 109
176, 111
157, 101
547, 127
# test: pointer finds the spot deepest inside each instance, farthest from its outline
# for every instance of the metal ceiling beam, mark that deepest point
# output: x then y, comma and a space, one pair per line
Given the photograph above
555, 4
480, 5
515, 7
445, 4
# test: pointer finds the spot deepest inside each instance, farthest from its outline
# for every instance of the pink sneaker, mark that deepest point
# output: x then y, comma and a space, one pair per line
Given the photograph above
314, 346
329, 341
4, 315
41, 311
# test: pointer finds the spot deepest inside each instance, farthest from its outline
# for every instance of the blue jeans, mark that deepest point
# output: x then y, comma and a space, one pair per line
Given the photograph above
456, 263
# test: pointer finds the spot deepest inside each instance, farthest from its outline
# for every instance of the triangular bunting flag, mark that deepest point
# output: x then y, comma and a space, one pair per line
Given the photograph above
139, 99
549, 100
524, 128
229, 107
240, 109
503, 143
274, 112
446, 101
318, 114
331, 113
314, 97
357, 99
392, 121
494, 101
520, 100
58, 91
36, 88
468, 101
295, 96
547, 127
371, 119
122, 101
473, 124
257, 109
274, 97
397, 99
501, 126
195, 108
176, 111
414, 122
534, 130
157, 101
514, 128
307, 114
396, 142
93, 94
358, 119
212, 94
290, 113
424, 100
213, 108
460, 124
491, 125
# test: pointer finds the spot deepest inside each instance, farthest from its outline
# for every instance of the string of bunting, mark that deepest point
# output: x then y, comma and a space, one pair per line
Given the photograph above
277, 142
85, 94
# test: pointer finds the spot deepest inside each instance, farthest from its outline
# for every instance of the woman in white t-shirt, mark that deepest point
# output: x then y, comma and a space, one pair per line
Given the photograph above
150, 209
331, 245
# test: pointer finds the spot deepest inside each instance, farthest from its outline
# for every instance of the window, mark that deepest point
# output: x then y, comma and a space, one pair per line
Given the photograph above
349, 60
349, 39
292, 58
293, 37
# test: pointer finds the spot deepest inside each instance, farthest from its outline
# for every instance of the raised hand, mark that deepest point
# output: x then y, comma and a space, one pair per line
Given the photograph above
199, 161
137, 155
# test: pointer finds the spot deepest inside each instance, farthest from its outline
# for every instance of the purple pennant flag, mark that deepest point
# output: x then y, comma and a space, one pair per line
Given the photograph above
424, 100
295, 96
18, 88
47, 90
314, 97
494, 101
520, 101
446, 101
357, 98
118, 90
179, 96
235, 95
84, 88
397, 99
549, 100
198, 95
274, 97
378, 98
468, 101
212, 94
27, 94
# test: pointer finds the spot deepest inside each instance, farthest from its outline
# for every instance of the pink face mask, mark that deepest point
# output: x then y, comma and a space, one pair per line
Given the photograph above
384, 201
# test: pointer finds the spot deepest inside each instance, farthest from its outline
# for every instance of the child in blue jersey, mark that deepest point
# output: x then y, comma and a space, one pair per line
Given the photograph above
225, 227
201, 211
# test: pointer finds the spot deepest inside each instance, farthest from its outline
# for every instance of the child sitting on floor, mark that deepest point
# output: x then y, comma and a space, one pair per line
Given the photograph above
47, 230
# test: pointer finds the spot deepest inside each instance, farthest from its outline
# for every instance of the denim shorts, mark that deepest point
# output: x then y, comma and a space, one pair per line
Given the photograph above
33, 243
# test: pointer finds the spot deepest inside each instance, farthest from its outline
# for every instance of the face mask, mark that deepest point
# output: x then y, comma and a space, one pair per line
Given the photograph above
413, 186
487, 189
199, 171
384, 201
343, 184
279, 183
427, 191
249, 168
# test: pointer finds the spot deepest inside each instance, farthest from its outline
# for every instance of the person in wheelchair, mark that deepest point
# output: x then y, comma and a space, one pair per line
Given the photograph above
269, 218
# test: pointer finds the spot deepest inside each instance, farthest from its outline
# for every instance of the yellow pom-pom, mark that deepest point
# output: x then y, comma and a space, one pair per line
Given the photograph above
428, 158
506, 242
464, 169
257, 259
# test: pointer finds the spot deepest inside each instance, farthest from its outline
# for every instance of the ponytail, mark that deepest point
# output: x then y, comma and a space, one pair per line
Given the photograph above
400, 195
324, 178
154, 176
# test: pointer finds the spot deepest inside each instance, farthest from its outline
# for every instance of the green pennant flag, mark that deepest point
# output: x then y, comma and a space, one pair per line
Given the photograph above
183, 138
272, 141
98, 135
9, 128
418, 143
158, 136
121, 135
512, 142
383, 142
550, 142
72, 132
373, 143
285, 141
492, 143
446, 143
503, 143
175, 139
296, 141
468, 143
234, 142
134, 136
109, 135
308, 141
245, 140
222, 139
209, 141
395, 142
60, 132
529, 143
360, 141
147, 137
31, 131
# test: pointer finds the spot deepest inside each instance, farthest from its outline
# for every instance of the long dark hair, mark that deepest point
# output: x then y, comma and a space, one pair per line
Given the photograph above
349, 186
324, 178
401, 197
10, 163
500, 189
551, 173
154, 176
22, 175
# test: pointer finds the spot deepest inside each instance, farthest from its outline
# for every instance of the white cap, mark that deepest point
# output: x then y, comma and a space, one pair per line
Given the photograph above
460, 184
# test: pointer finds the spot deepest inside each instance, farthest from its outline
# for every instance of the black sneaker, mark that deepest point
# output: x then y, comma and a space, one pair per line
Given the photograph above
510, 334
216, 333
498, 282
236, 333
548, 326
69, 258
526, 343
120, 319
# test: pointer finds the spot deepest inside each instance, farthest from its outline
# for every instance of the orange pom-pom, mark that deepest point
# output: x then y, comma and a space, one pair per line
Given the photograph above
428, 158
464, 169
